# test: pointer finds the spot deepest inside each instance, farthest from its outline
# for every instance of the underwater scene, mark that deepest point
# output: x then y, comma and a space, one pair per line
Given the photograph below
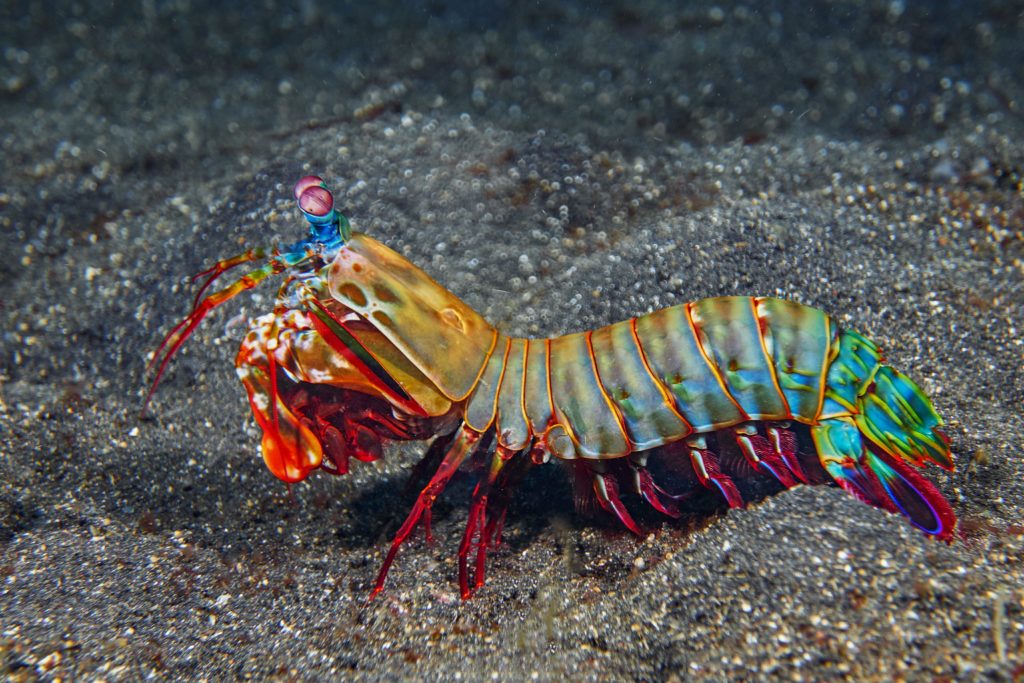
512, 341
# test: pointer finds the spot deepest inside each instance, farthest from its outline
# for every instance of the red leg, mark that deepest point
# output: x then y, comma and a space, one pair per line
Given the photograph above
501, 494
460, 448
759, 452
429, 462
657, 497
705, 464
488, 538
478, 520
428, 519
499, 528
784, 443
606, 487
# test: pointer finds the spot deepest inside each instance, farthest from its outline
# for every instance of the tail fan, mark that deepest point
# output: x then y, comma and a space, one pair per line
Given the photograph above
896, 415
881, 479
916, 497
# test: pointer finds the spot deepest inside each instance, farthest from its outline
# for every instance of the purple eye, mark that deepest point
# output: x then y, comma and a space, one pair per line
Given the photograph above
306, 183
316, 201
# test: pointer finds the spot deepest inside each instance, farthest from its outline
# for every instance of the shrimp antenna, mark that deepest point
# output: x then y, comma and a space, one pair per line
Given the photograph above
329, 230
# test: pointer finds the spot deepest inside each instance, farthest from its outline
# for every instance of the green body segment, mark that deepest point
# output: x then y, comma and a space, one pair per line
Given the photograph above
514, 432
647, 410
670, 344
853, 366
799, 340
536, 390
579, 400
483, 402
730, 337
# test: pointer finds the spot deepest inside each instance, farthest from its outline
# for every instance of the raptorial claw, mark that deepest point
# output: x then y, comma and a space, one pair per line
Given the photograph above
328, 231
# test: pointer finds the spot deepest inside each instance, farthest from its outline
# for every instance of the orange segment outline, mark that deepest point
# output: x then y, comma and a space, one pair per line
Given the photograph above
768, 359
714, 368
667, 396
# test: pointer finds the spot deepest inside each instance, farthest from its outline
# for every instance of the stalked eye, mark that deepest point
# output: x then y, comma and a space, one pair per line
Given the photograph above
316, 201
328, 229
306, 183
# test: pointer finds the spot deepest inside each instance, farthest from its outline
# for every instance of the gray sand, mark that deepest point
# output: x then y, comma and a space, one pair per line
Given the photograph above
558, 170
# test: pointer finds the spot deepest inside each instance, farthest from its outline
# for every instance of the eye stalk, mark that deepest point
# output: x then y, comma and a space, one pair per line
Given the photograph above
327, 226
328, 233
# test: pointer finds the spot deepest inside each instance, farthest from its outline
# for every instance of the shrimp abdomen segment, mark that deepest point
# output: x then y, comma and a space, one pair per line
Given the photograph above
513, 429
731, 341
579, 400
799, 340
674, 355
644, 404
483, 403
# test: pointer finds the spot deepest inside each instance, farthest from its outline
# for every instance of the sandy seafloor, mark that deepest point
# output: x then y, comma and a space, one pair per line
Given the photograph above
559, 168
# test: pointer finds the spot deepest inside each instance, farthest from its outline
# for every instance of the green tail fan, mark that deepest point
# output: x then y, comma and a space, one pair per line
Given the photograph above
891, 428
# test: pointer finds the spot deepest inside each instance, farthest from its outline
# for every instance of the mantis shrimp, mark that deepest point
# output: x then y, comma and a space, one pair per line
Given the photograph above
363, 347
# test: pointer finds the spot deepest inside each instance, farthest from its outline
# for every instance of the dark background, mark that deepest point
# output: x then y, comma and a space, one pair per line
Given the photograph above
559, 166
